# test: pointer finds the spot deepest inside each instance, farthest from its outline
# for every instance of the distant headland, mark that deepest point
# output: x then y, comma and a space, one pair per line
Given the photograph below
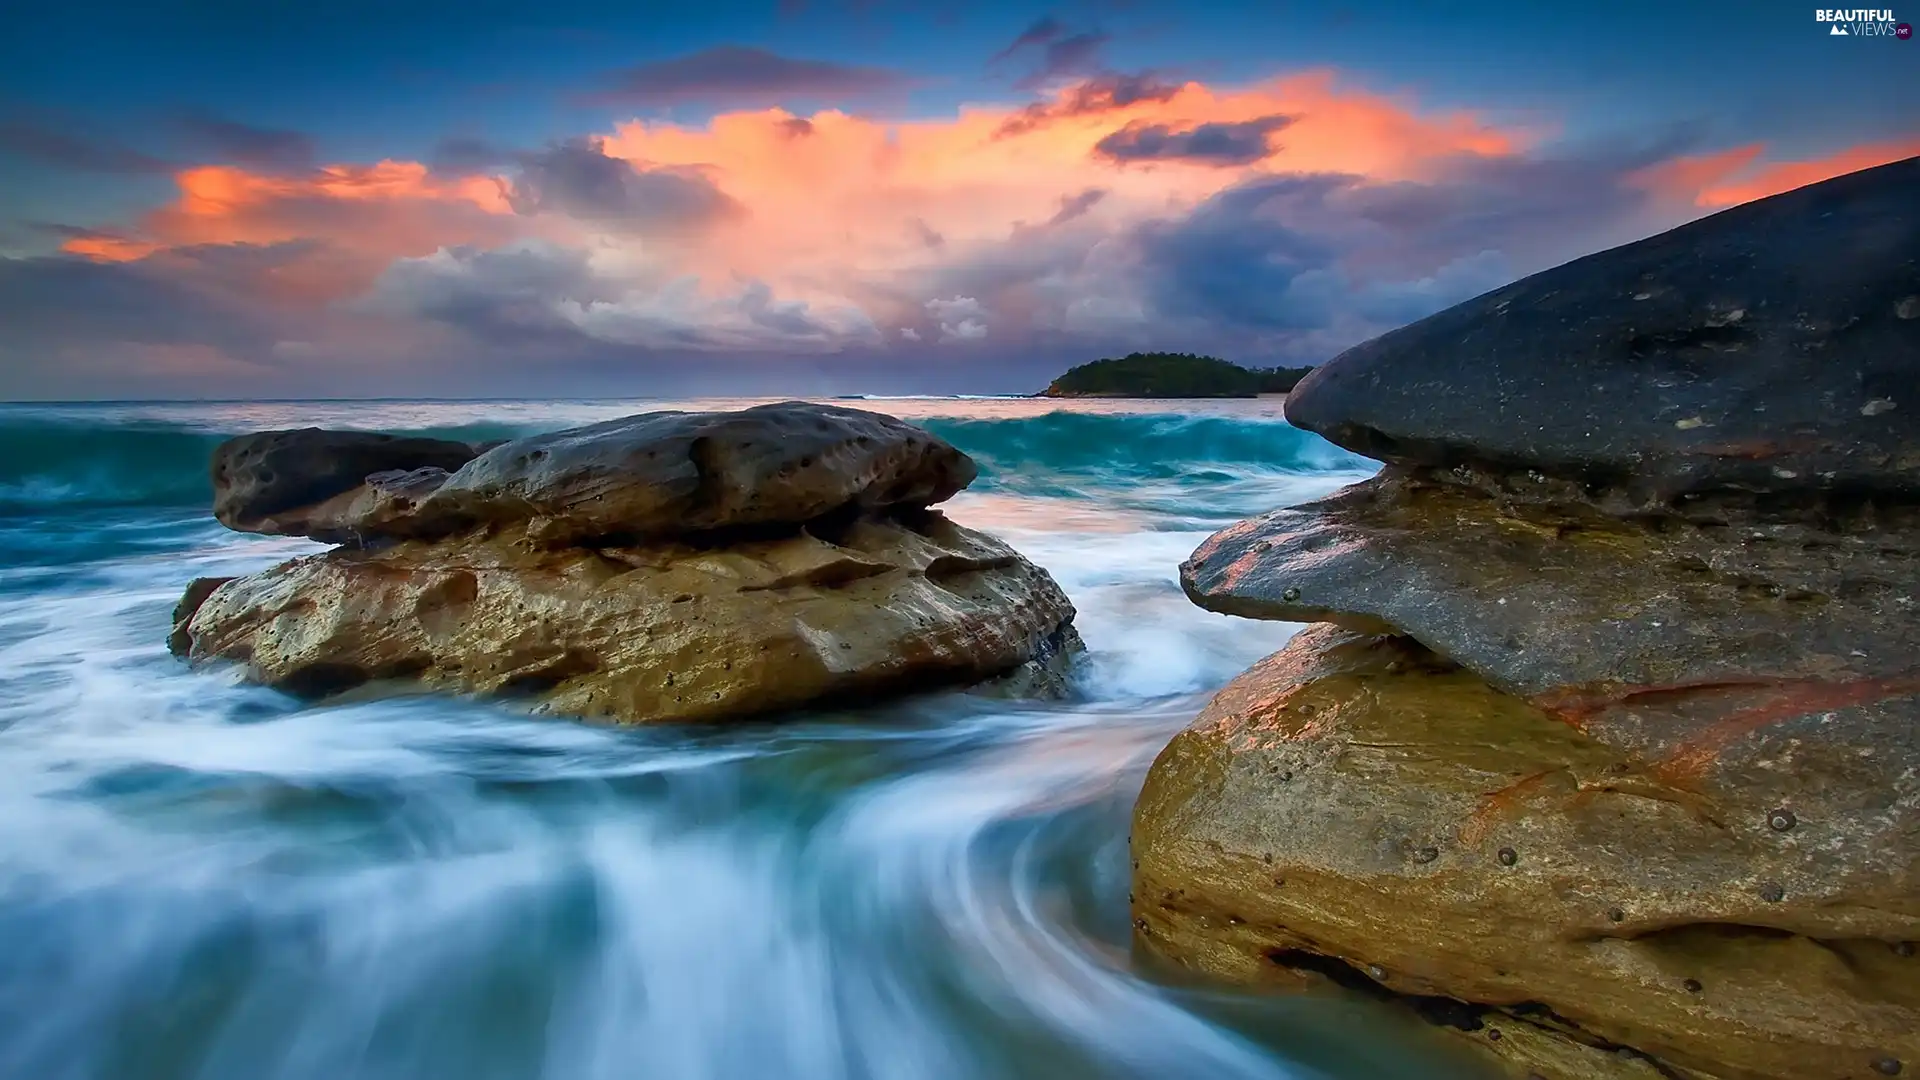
1172, 375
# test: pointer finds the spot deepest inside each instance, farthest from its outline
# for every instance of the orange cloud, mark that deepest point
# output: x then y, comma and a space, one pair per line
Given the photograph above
837, 195
364, 215
1735, 176
843, 211
1786, 176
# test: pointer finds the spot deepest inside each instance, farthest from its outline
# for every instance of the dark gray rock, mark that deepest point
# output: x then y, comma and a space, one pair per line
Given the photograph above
1771, 347
645, 477
272, 481
674, 473
180, 639
1544, 599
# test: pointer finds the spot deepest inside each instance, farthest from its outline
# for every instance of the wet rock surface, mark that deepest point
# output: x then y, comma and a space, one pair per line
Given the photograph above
1610, 740
1356, 799
292, 483
789, 563
1772, 346
649, 476
667, 474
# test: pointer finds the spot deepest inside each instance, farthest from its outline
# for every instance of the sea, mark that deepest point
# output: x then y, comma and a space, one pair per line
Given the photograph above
206, 880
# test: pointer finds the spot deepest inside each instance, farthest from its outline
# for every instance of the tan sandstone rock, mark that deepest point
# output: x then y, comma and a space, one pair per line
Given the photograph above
663, 632
1356, 800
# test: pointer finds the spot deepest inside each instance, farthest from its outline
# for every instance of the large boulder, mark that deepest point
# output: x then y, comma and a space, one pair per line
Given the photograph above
292, 483
1618, 738
1772, 347
637, 478
671, 473
668, 632
1358, 806
663, 567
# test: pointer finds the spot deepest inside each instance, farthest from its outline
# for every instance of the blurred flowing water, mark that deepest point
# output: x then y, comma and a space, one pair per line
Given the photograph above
201, 879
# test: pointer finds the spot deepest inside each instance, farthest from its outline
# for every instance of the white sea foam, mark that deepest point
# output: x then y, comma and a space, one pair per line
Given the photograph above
208, 881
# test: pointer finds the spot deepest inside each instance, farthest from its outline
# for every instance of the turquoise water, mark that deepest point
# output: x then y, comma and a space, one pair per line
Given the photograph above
200, 879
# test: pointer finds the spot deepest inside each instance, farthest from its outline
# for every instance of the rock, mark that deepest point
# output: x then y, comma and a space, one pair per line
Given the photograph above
179, 641
289, 483
669, 631
672, 474
1774, 346
1609, 731
1359, 804
1589, 614
646, 477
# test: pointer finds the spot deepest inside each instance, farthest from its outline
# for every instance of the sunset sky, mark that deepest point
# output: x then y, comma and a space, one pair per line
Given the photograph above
228, 200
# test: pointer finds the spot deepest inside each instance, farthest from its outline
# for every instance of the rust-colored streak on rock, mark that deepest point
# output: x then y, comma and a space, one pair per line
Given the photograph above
1505, 801
1800, 697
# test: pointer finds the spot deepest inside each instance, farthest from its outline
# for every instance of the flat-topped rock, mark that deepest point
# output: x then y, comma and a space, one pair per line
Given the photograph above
292, 483
1556, 599
644, 477
1774, 346
675, 473
665, 632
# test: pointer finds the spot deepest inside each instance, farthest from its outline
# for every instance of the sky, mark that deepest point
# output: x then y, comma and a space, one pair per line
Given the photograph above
477, 199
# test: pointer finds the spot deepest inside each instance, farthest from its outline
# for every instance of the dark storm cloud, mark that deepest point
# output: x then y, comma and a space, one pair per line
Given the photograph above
736, 75
41, 142
188, 296
1343, 256
1237, 256
1527, 206
1103, 93
1222, 143
578, 179
218, 138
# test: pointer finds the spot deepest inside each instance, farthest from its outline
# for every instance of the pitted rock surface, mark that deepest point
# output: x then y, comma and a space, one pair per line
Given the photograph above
1358, 799
665, 632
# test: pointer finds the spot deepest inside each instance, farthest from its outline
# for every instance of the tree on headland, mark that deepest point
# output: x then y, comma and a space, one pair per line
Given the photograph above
1172, 375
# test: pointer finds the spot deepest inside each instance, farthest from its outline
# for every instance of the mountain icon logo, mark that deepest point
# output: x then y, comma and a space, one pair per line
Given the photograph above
1838, 31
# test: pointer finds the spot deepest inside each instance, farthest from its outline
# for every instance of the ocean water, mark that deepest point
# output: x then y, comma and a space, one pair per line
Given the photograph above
201, 879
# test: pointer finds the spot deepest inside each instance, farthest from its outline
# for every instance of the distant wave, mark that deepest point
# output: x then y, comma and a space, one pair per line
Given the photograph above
62, 463
48, 463
1140, 447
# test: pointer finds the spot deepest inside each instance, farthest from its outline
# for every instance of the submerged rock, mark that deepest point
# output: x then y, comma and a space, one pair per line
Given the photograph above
1615, 752
1355, 799
672, 566
1774, 346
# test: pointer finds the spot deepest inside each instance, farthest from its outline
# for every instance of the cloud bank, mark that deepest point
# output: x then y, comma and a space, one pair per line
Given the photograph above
765, 251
